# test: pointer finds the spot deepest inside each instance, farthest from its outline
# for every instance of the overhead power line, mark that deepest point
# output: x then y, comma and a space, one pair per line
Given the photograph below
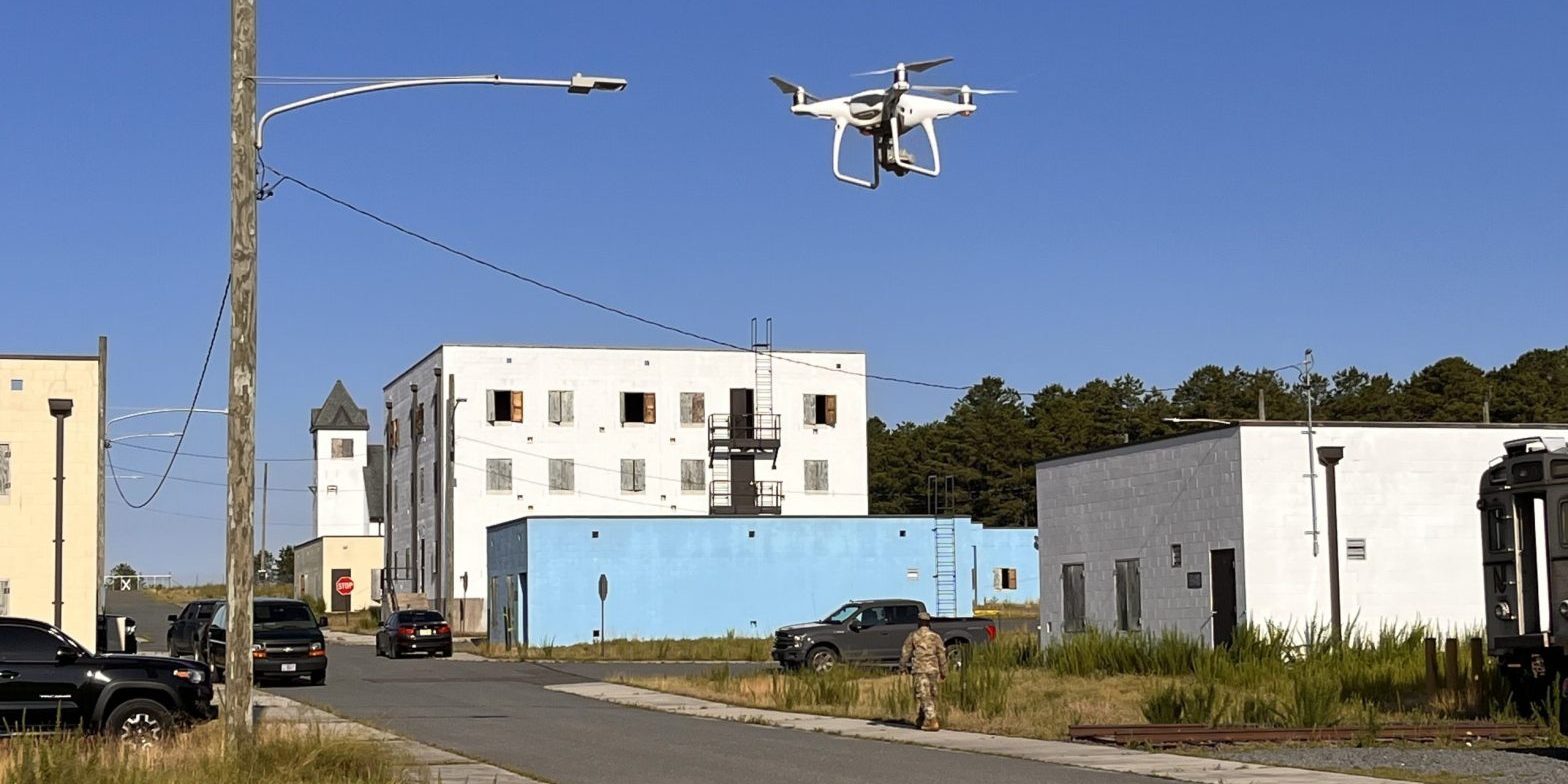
216, 457
622, 312
190, 411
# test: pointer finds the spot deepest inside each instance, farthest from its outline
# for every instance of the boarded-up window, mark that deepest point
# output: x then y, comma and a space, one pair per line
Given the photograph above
821, 410
1129, 596
504, 405
342, 447
634, 475
396, 434
563, 475
561, 407
1072, 598
5, 470
638, 407
693, 476
693, 408
816, 476
498, 475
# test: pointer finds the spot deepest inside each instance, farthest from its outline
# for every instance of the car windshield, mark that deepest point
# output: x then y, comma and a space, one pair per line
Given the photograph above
842, 614
284, 615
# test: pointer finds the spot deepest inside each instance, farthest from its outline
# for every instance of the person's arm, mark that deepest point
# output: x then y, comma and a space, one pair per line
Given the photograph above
941, 658
908, 653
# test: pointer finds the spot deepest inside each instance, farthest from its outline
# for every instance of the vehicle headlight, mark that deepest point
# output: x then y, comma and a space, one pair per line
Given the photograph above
1503, 611
316, 646
256, 648
194, 676
1562, 608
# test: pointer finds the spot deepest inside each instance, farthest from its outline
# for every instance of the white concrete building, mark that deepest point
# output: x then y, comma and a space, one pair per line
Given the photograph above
550, 430
349, 469
1202, 531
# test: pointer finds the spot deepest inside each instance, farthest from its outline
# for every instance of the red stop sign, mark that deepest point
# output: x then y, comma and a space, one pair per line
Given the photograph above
345, 585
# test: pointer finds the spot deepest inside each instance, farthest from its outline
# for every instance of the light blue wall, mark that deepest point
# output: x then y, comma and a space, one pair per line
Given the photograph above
706, 576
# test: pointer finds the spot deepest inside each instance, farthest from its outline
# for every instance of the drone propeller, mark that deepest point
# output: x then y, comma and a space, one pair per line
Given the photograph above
965, 89
914, 67
792, 89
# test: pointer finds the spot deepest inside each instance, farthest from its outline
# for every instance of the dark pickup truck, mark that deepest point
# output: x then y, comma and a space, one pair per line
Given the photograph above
870, 632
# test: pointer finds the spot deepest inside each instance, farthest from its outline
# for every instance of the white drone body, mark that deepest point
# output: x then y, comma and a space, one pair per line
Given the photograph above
885, 115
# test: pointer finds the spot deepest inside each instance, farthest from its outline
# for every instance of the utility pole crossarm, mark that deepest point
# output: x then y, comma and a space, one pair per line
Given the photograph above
578, 84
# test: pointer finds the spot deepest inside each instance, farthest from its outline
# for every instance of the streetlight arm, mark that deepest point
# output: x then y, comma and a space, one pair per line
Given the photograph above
152, 411
577, 84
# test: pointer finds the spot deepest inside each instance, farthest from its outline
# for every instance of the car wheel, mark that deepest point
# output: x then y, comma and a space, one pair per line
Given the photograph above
957, 654
318, 677
822, 658
392, 652
139, 723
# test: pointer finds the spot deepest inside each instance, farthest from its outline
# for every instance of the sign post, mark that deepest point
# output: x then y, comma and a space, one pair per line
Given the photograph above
604, 593
345, 585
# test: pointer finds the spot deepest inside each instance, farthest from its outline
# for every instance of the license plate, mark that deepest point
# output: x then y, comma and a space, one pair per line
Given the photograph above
425, 632
289, 667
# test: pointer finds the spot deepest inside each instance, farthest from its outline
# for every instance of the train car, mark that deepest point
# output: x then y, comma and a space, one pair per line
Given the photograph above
1524, 539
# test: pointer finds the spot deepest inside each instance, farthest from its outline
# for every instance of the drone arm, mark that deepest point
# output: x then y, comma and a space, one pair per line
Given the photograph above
838, 143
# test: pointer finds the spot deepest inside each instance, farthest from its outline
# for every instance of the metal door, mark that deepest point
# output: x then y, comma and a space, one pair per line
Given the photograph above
340, 603
743, 485
1222, 595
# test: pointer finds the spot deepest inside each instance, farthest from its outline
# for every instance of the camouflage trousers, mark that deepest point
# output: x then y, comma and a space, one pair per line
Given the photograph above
925, 697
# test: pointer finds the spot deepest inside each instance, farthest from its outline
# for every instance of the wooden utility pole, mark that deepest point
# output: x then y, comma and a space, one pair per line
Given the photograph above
236, 707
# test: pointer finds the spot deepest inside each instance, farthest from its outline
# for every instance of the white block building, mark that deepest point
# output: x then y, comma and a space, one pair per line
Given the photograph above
1202, 531
347, 467
561, 431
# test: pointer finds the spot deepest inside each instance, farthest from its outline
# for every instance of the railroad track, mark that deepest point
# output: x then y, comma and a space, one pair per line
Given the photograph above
1200, 734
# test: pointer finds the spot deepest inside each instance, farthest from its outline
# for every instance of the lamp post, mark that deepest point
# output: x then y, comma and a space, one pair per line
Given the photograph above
60, 409
1330, 456
244, 154
1304, 377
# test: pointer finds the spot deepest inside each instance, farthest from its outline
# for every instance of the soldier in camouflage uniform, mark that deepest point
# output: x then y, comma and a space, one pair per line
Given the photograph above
925, 658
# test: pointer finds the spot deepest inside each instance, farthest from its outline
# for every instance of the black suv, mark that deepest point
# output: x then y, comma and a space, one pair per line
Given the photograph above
49, 681
286, 640
185, 628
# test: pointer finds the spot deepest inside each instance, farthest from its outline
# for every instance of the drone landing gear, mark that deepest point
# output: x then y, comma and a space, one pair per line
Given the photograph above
902, 160
838, 143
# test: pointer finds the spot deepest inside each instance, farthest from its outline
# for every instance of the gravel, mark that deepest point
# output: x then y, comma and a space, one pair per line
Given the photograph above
1514, 766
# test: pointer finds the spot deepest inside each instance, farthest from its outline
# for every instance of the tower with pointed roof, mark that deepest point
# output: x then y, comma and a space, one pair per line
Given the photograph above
339, 430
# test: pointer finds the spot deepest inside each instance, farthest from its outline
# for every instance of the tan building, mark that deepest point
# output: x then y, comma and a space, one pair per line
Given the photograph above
321, 562
34, 390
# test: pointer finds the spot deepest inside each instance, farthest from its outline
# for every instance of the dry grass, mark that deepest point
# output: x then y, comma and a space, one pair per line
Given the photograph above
183, 594
1010, 610
359, 622
1037, 706
713, 649
279, 756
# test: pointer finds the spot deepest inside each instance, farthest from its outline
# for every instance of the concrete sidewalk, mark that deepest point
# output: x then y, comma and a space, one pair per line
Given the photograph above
1080, 755
443, 766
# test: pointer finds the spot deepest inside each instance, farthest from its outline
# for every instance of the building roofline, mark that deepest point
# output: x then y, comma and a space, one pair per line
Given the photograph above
737, 518
54, 357
438, 349
1237, 425
313, 540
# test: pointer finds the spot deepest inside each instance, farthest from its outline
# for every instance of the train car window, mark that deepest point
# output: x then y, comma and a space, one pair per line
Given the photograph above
1560, 469
1562, 522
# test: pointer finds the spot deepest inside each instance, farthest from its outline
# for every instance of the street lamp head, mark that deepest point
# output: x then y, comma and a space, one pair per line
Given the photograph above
582, 85
60, 407
1330, 455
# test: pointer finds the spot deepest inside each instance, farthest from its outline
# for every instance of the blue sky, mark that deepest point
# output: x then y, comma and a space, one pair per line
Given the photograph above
1174, 184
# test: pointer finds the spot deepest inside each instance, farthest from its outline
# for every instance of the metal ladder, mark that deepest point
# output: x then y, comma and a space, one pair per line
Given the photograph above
944, 533
762, 350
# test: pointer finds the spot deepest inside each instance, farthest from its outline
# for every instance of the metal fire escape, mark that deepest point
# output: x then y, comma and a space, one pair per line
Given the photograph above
944, 530
749, 432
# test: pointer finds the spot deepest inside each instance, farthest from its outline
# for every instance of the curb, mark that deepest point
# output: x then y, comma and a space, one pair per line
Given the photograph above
1077, 755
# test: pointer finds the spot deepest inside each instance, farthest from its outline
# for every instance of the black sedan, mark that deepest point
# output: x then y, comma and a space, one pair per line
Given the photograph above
414, 631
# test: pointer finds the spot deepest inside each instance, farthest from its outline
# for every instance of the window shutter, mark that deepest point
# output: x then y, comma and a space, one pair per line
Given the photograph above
628, 475
489, 405
832, 410
648, 409
811, 409
569, 474
699, 408
692, 479
639, 475
517, 405
568, 414
686, 405
554, 397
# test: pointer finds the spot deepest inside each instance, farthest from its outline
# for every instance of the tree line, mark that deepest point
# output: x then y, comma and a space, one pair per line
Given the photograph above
994, 435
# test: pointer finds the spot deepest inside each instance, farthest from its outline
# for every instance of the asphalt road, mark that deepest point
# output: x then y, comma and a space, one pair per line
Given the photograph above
150, 614
499, 713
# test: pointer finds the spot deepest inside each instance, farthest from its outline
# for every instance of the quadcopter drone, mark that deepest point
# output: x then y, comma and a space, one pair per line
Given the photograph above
886, 115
